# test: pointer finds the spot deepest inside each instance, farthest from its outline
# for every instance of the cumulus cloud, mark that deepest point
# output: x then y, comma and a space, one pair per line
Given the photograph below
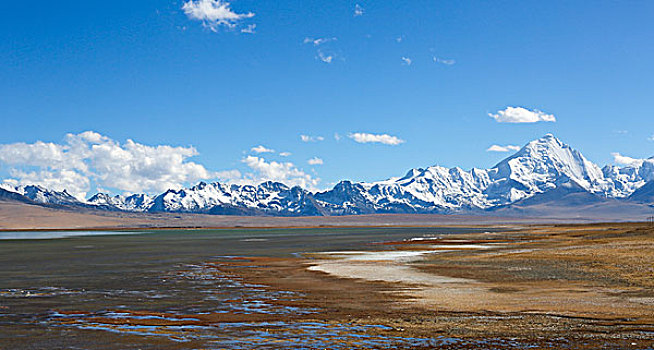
406, 61
285, 154
358, 10
521, 115
620, 159
315, 161
71, 181
307, 138
498, 148
285, 172
90, 157
262, 149
214, 13
362, 137
89, 160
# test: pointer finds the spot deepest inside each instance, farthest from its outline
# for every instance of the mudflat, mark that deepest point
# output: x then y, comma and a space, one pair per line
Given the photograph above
584, 286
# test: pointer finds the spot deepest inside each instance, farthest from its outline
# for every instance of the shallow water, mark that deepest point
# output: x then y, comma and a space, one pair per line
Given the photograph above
19, 235
106, 278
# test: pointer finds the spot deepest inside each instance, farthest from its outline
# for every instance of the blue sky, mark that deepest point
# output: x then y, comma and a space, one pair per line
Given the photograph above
154, 73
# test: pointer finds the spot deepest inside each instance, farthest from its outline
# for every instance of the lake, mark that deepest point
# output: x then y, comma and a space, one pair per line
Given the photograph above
95, 275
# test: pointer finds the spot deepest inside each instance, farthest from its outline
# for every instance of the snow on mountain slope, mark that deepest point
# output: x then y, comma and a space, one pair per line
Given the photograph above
135, 202
40, 194
540, 166
548, 161
267, 197
628, 179
543, 167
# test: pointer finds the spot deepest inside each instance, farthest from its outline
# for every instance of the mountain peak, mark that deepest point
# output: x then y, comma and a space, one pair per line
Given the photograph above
548, 140
548, 147
548, 161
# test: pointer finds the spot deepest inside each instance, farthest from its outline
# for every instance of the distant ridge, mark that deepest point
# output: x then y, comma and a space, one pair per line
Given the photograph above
544, 174
644, 194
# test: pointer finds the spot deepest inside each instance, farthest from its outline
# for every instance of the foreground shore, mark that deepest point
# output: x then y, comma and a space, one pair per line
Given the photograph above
548, 286
582, 286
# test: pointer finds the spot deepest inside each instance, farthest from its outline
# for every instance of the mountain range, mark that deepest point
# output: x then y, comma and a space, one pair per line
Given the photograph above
544, 176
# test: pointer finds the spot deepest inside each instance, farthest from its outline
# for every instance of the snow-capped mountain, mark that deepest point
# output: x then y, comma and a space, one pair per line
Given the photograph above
628, 179
540, 166
42, 195
544, 167
136, 202
216, 198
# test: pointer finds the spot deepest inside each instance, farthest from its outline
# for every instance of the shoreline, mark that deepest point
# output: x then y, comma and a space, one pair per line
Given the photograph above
587, 286
306, 227
509, 225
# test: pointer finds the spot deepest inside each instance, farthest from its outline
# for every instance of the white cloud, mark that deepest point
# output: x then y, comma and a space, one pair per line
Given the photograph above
362, 137
250, 29
72, 181
285, 172
406, 61
90, 157
318, 41
399, 39
325, 57
285, 154
323, 52
37, 154
337, 137
315, 161
620, 159
228, 175
214, 13
358, 10
651, 138
262, 149
444, 61
521, 115
498, 148
307, 138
